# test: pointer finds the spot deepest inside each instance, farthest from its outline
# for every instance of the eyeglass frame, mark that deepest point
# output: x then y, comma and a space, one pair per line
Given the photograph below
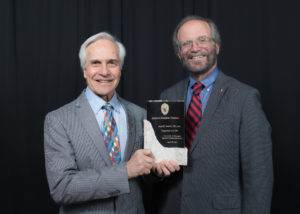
201, 40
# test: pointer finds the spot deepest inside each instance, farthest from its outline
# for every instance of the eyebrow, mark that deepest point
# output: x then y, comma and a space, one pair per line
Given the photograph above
113, 60
95, 61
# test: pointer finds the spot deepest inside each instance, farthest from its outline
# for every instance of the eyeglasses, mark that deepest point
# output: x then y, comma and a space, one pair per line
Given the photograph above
200, 41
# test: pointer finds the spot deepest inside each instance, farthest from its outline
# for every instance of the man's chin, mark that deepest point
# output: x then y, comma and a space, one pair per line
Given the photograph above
199, 73
200, 69
196, 71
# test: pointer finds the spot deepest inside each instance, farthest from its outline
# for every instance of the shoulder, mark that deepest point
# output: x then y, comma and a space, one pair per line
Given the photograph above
238, 95
64, 111
235, 85
177, 86
175, 89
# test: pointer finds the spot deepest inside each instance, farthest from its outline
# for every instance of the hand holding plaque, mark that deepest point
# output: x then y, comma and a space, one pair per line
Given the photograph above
164, 130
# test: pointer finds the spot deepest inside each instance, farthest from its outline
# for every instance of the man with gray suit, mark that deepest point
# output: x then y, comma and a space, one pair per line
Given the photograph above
227, 134
93, 145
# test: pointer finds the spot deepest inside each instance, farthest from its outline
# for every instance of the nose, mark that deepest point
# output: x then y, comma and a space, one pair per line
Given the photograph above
195, 46
104, 70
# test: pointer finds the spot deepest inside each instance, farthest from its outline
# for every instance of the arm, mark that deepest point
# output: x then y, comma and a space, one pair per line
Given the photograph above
67, 183
256, 157
70, 184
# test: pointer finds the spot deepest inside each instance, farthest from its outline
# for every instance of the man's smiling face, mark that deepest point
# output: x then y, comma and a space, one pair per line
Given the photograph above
102, 69
198, 51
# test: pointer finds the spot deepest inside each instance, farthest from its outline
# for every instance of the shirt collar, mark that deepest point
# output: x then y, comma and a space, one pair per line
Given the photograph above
209, 80
97, 102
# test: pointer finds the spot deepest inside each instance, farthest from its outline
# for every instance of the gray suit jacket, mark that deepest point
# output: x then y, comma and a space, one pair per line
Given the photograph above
80, 175
230, 162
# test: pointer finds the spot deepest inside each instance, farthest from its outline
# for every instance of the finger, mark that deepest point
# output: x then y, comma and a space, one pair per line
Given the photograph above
151, 155
175, 165
172, 166
169, 166
147, 171
148, 165
141, 158
158, 170
159, 167
165, 171
148, 159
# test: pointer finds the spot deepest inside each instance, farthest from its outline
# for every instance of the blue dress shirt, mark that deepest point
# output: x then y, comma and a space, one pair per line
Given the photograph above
119, 115
208, 82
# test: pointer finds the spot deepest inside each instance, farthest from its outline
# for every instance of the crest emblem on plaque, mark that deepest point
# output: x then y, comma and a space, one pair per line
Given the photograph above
164, 108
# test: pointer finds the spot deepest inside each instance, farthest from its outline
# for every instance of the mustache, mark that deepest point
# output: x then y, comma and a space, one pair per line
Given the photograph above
201, 53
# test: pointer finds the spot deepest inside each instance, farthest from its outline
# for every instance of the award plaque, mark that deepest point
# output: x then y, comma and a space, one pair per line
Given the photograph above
164, 130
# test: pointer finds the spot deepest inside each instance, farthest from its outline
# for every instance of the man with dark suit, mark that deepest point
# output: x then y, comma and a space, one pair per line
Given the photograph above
93, 145
227, 134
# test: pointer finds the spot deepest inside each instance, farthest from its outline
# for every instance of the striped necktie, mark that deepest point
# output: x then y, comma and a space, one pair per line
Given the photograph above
110, 133
193, 116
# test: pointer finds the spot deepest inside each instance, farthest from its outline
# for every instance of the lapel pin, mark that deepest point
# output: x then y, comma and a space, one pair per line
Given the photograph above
221, 90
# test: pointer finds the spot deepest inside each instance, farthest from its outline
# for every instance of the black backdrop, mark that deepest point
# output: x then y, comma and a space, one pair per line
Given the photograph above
40, 71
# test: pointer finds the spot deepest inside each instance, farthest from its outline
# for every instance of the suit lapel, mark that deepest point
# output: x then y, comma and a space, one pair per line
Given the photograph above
90, 123
218, 91
182, 92
130, 129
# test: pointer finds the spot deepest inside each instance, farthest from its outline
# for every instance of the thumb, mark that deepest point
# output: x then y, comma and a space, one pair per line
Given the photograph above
147, 152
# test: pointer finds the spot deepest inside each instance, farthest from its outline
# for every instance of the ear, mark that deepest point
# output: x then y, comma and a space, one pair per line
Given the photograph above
178, 55
218, 48
84, 74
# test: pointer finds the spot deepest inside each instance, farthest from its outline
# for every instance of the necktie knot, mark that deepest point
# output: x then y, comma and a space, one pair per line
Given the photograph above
197, 88
108, 107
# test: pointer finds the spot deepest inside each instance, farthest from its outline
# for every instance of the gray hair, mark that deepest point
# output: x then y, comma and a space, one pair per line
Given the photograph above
213, 29
98, 36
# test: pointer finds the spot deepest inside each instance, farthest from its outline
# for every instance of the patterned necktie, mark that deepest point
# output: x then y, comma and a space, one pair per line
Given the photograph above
193, 116
110, 133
